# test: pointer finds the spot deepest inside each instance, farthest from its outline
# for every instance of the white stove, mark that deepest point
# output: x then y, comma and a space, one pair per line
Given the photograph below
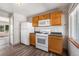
42, 39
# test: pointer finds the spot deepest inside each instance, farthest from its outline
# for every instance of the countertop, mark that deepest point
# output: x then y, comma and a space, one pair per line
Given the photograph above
56, 35
59, 35
4, 34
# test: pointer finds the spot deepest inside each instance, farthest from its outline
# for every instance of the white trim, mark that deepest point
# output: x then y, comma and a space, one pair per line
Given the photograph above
72, 7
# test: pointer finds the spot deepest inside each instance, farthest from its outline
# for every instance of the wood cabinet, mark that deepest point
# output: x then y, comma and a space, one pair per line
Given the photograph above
55, 44
56, 18
32, 39
45, 16
35, 21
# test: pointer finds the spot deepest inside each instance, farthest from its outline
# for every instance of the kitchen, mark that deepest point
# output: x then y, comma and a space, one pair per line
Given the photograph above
48, 32
44, 30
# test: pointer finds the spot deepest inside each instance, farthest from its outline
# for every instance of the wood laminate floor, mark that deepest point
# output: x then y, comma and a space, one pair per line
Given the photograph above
22, 50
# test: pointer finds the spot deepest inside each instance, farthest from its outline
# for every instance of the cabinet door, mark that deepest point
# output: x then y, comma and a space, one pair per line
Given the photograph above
56, 19
50, 39
43, 17
32, 39
35, 21
46, 16
52, 19
56, 44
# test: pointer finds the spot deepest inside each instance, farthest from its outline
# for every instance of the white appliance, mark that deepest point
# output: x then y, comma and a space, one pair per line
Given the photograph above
42, 41
45, 22
42, 38
26, 28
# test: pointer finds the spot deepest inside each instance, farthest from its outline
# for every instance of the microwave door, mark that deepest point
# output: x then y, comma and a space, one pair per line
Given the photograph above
44, 23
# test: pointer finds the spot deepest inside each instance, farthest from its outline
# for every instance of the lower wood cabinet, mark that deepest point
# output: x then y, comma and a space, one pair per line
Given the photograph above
32, 39
55, 44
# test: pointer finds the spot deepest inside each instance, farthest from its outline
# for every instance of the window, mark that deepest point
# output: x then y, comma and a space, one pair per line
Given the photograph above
1, 28
74, 24
77, 24
4, 24
7, 28
4, 28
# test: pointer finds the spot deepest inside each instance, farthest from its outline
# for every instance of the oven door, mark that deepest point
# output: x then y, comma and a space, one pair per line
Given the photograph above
42, 40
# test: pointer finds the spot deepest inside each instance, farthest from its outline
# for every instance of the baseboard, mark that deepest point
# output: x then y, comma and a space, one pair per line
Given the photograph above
66, 50
15, 44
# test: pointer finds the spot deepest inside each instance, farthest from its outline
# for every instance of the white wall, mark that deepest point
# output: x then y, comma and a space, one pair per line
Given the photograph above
4, 13
11, 30
17, 19
4, 23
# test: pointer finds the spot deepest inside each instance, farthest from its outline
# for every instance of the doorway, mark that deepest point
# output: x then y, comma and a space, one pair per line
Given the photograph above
4, 32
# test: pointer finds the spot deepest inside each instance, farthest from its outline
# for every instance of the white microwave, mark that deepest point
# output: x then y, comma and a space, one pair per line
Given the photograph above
45, 22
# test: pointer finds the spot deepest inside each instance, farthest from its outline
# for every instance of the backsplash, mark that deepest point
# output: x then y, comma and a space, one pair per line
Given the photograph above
52, 29
58, 29
42, 28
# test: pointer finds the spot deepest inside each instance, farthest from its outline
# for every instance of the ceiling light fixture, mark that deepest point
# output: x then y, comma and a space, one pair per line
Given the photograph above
19, 2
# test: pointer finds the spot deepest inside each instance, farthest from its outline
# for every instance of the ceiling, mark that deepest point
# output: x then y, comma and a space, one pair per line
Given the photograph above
29, 9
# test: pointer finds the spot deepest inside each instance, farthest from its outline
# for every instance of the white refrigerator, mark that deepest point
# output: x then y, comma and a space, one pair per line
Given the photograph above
26, 29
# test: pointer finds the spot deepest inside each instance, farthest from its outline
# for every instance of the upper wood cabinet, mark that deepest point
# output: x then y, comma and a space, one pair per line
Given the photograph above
43, 17
56, 18
35, 21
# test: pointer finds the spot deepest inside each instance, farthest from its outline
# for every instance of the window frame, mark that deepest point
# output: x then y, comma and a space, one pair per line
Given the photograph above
73, 18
